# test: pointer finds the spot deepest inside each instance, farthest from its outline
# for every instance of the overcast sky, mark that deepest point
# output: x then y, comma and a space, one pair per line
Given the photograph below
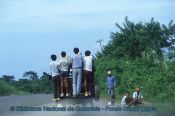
31, 30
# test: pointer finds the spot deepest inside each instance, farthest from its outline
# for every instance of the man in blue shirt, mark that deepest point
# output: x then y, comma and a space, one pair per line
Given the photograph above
111, 82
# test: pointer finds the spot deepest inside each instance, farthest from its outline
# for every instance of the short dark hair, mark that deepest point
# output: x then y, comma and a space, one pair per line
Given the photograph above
53, 57
87, 53
76, 50
127, 92
63, 54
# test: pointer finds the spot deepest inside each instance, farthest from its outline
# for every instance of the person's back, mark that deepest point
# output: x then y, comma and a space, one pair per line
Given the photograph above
77, 61
126, 100
123, 103
54, 68
54, 65
87, 73
64, 73
77, 65
88, 63
64, 64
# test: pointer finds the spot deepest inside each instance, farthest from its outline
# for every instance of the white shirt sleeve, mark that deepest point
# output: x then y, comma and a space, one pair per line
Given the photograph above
123, 101
50, 68
59, 62
134, 95
84, 62
141, 95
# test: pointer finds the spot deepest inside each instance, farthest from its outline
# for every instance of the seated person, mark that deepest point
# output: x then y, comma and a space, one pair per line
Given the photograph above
137, 97
126, 100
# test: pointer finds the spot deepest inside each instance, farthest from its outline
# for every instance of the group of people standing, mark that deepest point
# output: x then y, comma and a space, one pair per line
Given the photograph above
81, 67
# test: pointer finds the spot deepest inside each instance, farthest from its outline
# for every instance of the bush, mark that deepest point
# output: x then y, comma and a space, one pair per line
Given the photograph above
157, 81
5, 89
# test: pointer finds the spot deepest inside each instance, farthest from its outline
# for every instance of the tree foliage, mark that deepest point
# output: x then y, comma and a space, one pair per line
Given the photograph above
31, 84
140, 40
136, 56
8, 78
31, 75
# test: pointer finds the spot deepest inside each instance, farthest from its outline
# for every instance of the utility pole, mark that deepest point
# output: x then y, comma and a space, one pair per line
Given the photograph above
100, 41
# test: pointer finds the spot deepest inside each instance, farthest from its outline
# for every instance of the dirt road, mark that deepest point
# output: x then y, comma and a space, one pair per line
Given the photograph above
10, 106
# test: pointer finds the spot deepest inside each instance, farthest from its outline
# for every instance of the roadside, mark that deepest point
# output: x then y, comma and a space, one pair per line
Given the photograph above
41, 100
29, 100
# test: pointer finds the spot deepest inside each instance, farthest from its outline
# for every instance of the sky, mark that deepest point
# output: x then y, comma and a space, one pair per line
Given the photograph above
32, 30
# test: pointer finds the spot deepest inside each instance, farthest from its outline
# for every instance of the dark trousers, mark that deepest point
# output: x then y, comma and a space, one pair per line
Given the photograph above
87, 81
56, 84
137, 101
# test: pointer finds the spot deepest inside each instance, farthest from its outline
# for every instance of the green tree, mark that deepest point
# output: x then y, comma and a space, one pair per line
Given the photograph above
31, 75
8, 78
45, 76
140, 40
45, 84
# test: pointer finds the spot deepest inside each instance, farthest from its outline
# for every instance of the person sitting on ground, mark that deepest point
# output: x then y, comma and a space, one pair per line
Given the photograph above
137, 97
111, 82
87, 73
64, 67
126, 100
54, 71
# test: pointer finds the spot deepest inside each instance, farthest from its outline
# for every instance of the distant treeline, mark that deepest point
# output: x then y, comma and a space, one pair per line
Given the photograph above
29, 84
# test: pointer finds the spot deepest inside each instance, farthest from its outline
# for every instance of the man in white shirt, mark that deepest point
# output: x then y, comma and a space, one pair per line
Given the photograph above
54, 71
88, 63
64, 64
126, 100
137, 97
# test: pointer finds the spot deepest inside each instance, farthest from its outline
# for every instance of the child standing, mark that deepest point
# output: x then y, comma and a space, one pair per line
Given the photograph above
111, 82
54, 71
